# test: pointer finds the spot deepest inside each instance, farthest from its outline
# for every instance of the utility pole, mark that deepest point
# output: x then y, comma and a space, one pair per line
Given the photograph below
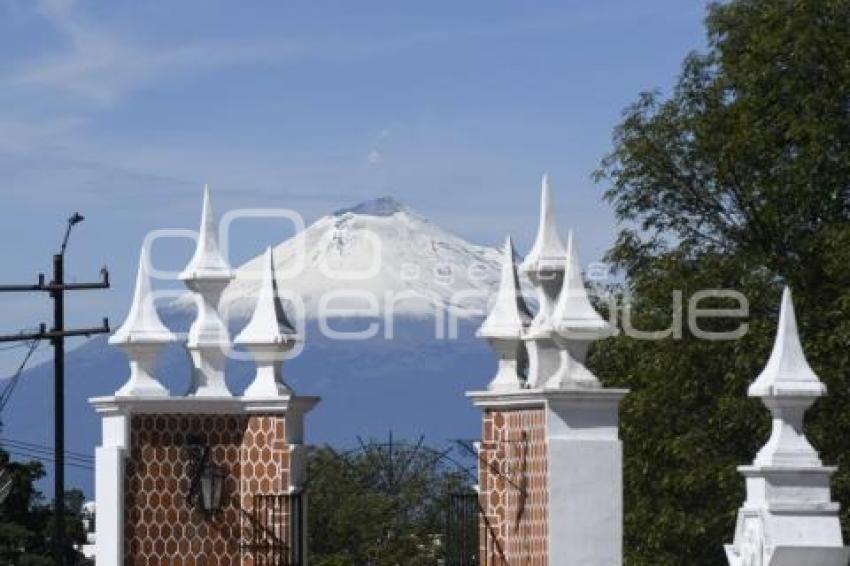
57, 334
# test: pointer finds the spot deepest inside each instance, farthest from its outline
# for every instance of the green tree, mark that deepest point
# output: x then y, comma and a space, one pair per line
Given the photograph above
378, 506
739, 179
26, 520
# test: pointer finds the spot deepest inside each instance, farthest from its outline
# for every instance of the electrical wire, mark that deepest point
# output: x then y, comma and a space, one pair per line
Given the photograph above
48, 450
25, 454
10, 387
13, 347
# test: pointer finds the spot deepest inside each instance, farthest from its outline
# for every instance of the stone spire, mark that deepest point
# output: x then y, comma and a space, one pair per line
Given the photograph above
207, 275
787, 387
142, 336
544, 266
787, 372
547, 252
268, 336
788, 517
577, 325
504, 326
573, 315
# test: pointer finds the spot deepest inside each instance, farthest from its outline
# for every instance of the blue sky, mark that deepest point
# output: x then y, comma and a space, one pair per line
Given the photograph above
123, 110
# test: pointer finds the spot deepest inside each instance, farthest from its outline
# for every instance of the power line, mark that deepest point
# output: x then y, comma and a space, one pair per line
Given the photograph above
48, 459
10, 387
46, 449
13, 347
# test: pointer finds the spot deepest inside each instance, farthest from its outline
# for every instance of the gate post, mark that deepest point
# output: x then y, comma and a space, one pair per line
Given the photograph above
788, 518
550, 462
178, 477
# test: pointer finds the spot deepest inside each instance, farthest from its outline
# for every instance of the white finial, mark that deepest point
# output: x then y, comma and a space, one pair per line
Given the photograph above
268, 335
207, 275
503, 329
509, 315
268, 324
207, 262
141, 337
787, 372
573, 314
547, 252
787, 387
143, 323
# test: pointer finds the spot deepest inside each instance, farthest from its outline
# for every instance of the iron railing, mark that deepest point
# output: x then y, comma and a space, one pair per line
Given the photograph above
463, 530
276, 525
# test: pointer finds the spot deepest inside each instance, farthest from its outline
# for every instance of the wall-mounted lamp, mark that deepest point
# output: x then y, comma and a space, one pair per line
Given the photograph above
207, 480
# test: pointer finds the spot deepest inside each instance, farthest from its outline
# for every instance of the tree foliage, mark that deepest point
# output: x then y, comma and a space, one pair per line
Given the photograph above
377, 506
26, 521
739, 179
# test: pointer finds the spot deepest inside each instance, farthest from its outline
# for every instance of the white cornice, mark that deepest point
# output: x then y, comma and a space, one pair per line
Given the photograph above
540, 397
202, 405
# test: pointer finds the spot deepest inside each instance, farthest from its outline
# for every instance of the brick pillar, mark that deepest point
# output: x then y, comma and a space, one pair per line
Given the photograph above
550, 477
513, 486
144, 477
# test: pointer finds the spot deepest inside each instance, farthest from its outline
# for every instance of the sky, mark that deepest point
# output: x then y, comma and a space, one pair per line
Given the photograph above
123, 110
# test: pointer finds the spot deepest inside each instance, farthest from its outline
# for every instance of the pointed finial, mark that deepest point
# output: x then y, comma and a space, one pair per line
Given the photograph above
509, 315
143, 324
268, 335
573, 314
547, 252
207, 262
787, 372
207, 275
142, 337
269, 324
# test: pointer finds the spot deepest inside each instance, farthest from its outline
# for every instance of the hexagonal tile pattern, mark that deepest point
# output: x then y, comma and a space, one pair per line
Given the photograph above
512, 479
160, 527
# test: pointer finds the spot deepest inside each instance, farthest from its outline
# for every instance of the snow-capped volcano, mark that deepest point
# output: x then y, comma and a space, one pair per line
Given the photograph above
372, 259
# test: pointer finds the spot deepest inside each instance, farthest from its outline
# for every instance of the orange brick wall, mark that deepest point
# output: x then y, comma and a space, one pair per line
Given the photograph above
160, 527
513, 463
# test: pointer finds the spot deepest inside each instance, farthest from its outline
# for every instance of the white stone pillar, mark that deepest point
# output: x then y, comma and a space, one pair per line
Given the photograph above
585, 477
788, 518
109, 486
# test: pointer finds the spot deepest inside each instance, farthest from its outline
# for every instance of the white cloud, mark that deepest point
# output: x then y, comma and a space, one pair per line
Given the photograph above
102, 67
374, 158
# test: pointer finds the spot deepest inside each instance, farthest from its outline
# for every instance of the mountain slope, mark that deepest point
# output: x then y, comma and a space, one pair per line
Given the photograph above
371, 258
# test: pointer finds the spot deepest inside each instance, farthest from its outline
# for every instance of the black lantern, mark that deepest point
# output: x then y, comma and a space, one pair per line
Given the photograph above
207, 480
212, 486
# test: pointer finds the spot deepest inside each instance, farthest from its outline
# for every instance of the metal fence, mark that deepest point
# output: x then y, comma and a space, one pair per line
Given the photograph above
463, 528
276, 528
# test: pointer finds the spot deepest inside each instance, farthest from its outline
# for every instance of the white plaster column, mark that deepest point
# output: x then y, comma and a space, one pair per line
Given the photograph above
110, 459
788, 518
585, 477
